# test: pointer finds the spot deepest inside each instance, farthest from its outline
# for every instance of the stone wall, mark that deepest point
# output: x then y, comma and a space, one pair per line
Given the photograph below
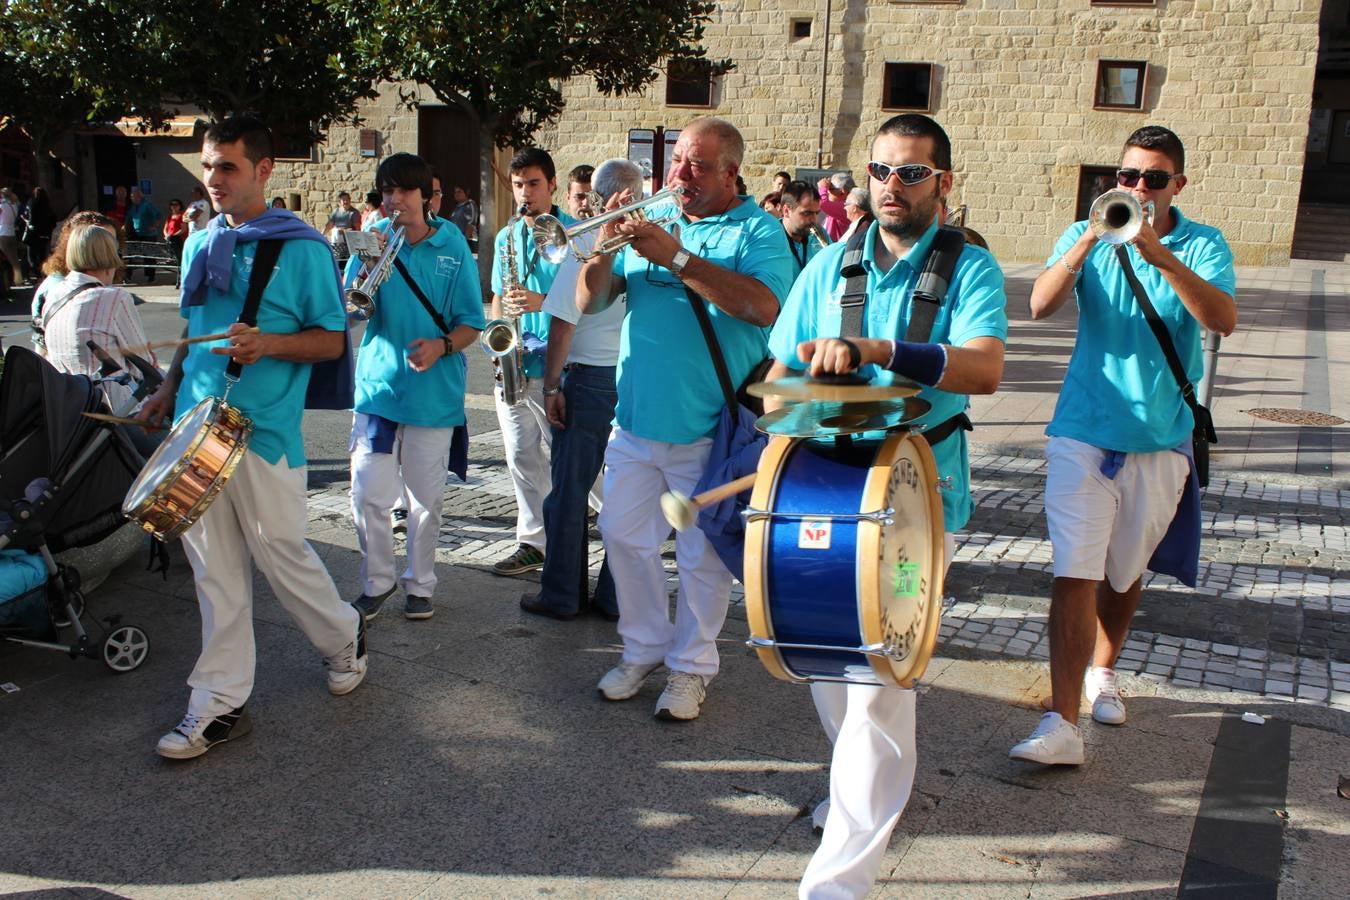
1014, 87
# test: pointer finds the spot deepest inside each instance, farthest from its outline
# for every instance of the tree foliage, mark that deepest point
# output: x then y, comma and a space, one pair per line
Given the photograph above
506, 61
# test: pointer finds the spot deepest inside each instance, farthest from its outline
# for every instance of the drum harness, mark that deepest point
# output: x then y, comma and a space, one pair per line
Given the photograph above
929, 291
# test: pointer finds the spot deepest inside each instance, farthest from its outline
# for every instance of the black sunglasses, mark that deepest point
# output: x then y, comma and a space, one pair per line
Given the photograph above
914, 173
1154, 179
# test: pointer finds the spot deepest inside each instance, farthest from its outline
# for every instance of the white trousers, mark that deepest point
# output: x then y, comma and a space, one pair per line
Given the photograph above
415, 469
871, 777
260, 515
526, 435
637, 472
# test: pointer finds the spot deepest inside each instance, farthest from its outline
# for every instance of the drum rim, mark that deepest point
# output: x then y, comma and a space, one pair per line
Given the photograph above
175, 468
772, 462
869, 553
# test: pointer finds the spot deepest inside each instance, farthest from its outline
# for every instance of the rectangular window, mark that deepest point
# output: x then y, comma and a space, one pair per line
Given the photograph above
293, 144
800, 29
907, 86
1093, 181
688, 84
1120, 84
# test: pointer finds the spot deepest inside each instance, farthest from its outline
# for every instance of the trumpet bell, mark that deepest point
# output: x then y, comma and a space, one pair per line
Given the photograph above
360, 305
1116, 217
551, 238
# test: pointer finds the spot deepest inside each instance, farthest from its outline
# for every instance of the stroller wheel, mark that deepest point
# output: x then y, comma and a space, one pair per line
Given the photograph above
125, 648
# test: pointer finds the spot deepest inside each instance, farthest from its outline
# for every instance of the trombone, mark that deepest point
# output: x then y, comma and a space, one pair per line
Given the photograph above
1116, 217
553, 239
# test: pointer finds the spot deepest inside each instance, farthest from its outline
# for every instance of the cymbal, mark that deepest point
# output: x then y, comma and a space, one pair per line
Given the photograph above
820, 418
124, 420
840, 389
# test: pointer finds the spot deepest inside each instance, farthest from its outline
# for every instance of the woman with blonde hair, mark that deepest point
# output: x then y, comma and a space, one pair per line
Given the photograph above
82, 307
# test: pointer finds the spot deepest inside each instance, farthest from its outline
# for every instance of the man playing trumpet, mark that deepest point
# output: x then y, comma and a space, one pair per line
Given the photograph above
730, 256
1117, 458
410, 387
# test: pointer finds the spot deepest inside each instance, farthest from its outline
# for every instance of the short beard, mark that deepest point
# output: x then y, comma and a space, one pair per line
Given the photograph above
914, 226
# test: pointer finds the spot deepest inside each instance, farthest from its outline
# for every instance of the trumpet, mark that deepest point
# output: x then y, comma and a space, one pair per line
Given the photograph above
361, 298
819, 234
553, 240
1116, 217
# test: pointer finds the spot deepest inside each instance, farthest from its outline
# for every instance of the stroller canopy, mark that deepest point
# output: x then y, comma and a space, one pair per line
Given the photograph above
43, 435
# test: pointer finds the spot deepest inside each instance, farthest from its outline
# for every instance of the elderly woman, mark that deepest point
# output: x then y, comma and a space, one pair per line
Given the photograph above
82, 307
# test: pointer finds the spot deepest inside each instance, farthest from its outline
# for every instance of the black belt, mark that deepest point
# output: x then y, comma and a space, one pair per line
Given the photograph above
940, 432
570, 366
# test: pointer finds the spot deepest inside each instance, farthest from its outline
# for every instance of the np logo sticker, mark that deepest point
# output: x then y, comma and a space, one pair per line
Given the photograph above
447, 266
814, 535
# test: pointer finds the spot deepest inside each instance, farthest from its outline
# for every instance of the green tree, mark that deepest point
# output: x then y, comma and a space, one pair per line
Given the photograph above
504, 61
68, 63
292, 62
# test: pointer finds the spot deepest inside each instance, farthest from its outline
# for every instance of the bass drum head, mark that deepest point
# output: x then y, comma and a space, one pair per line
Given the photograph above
176, 449
900, 601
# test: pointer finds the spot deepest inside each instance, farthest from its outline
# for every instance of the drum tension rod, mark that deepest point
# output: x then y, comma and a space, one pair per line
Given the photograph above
759, 643
883, 516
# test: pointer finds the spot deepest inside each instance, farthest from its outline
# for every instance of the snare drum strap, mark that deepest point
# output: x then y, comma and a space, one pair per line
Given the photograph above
264, 261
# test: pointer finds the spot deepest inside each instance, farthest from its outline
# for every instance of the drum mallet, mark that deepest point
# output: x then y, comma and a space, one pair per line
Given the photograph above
681, 511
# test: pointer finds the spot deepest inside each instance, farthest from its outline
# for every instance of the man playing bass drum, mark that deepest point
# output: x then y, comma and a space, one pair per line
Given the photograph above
872, 770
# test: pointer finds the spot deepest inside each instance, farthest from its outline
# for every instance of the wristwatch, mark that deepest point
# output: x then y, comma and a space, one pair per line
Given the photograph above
679, 261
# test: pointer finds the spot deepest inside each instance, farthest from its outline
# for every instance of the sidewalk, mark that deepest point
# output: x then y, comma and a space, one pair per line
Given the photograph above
477, 760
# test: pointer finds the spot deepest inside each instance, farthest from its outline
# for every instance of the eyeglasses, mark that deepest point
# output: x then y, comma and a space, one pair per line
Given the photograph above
1154, 179
912, 173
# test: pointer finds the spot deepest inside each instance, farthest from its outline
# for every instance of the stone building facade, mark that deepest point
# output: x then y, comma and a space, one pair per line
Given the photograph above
1021, 88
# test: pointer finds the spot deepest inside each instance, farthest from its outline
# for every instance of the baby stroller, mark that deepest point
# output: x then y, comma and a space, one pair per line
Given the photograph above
62, 480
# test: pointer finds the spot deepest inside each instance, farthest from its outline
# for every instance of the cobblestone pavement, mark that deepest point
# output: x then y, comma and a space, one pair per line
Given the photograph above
1267, 618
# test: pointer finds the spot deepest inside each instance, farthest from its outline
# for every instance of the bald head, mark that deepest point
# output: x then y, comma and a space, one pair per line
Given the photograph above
729, 140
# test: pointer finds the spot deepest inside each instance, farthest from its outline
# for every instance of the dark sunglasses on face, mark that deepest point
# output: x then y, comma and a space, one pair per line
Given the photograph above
1154, 179
912, 173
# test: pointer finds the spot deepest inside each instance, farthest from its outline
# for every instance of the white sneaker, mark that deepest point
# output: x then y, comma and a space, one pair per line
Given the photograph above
625, 680
1055, 742
819, 815
1100, 687
197, 734
347, 667
683, 696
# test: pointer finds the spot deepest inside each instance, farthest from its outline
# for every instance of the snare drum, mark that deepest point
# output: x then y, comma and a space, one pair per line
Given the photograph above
189, 469
844, 560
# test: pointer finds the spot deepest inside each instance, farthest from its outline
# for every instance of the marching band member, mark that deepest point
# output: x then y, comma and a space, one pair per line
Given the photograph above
410, 387
872, 769
579, 397
801, 210
520, 293
260, 514
1117, 459
729, 253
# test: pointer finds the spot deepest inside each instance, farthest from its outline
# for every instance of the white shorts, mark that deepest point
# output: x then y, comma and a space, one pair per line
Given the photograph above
1108, 527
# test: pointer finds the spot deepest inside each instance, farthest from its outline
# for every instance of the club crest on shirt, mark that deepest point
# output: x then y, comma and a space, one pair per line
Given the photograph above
447, 266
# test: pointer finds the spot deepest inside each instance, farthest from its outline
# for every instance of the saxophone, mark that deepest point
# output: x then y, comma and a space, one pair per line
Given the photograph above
500, 338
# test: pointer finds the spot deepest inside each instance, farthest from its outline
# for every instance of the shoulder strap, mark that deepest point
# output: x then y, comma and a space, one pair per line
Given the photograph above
853, 272
1164, 337
421, 297
714, 348
931, 288
45, 314
264, 261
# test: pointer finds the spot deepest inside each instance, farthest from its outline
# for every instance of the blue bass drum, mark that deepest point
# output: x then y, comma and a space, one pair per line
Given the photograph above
843, 560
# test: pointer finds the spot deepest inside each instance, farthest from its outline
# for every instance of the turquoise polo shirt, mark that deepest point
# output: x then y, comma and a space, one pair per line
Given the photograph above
536, 273
386, 383
801, 254
667, 386
975, 307
1118, 392
302, 293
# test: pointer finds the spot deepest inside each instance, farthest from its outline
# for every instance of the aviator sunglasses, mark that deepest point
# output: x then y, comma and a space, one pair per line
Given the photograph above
1154, 179
911, 173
